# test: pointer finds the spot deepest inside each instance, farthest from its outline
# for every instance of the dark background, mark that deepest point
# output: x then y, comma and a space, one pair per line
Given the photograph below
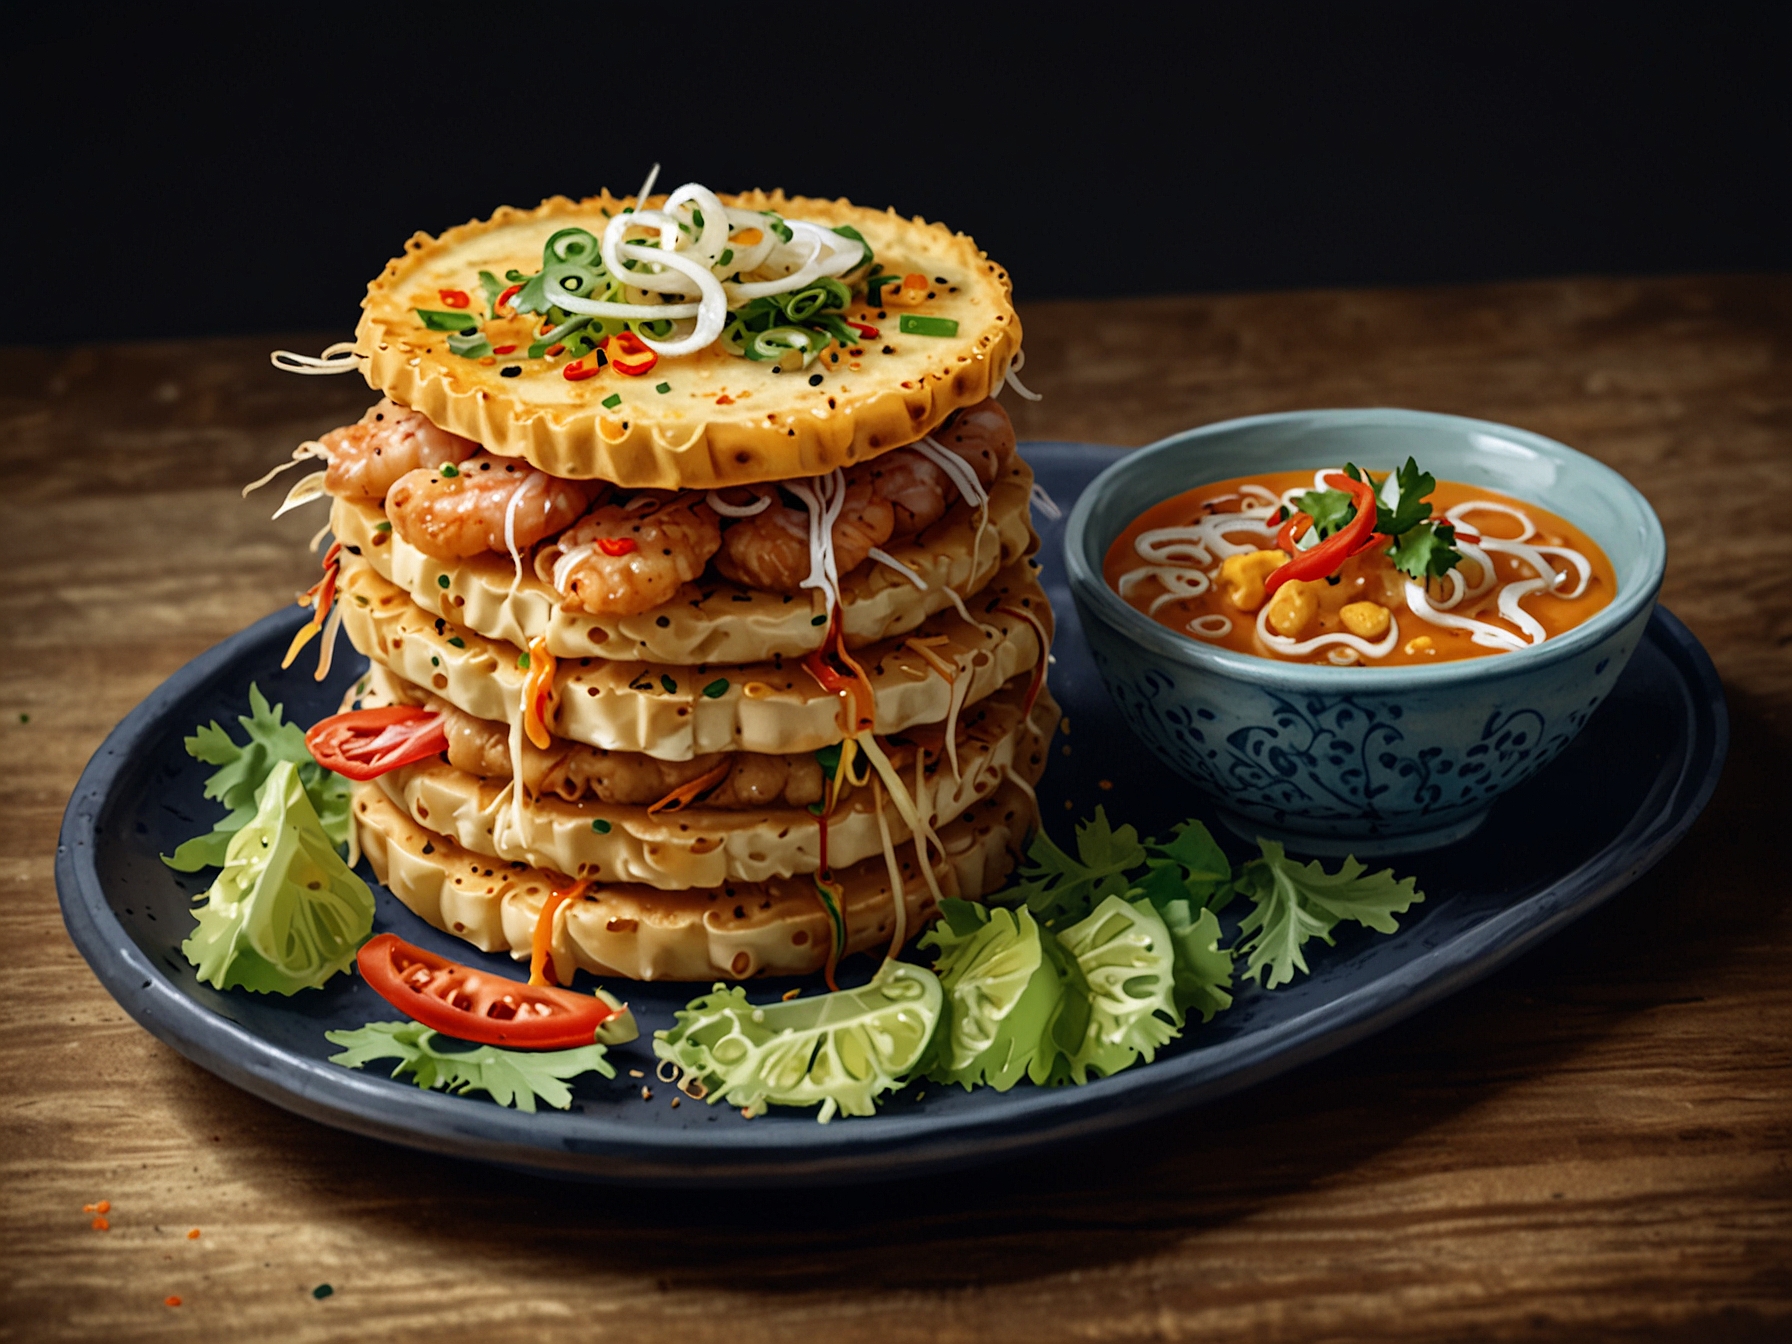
190, 176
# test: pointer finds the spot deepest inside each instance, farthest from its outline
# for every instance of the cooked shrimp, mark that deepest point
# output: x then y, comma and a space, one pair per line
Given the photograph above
917, 489
367, 458
982, 435
485, 503
770, 550
624, 559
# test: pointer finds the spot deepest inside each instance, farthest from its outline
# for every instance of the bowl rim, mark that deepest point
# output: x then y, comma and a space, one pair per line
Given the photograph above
1093, 593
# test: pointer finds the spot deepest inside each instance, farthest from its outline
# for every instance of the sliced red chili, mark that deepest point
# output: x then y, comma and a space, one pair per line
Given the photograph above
453, 298
1325, 558
868, 332
507, 296
578, 371
473, 1005
366, 743
629, 354
617, 545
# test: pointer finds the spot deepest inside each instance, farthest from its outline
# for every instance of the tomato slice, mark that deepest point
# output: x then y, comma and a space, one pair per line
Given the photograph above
471, 1005
365, 743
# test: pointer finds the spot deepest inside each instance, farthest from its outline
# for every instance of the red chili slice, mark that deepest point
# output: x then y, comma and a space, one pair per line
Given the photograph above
1325, 558
630, 354
366, 743
617, 545
868, 332
506, 297
453, 298
473, 1005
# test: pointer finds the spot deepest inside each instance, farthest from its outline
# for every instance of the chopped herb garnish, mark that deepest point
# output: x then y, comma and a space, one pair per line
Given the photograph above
663, 388
457, 641
437, 320
601, 826
442, 580
914, 325
669, 686
382, 527
716, 689
522, 659
449, 469
612, 401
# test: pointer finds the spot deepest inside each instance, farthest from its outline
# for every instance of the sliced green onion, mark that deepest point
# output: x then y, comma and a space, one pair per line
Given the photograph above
716, 688
457, 641
522, 659
437, 320
874, 288
612, 401
601, 826
913, 325
669, 686
441, 580
663, 388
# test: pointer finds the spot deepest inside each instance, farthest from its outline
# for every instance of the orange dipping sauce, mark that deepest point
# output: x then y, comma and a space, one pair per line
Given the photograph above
1187, 564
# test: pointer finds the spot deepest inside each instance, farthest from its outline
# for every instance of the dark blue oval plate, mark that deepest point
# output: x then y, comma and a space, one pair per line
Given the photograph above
1638, 775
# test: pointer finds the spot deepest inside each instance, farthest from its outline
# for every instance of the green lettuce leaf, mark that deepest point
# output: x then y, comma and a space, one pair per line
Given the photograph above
1202, 968
241, 772
1125, 955
1293, 902
1003, 992
286, 913
840, 1050
515, 1078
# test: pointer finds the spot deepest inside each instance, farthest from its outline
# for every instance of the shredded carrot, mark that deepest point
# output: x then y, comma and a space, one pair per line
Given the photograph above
171, 1301
320, 596
538, 686
687, 792
104, 1206
193, 1235
541, 944
101, 1225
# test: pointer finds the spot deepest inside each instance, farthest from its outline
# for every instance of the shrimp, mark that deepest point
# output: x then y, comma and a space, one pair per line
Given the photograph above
982, 435
624, 559
367, 458
484, 503
770, 550
917, 489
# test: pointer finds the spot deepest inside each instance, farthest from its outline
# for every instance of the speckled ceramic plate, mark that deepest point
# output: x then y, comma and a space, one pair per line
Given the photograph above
1638, 774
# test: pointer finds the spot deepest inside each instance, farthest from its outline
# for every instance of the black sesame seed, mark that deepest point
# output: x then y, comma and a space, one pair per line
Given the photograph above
889, 349
511, 371
662, 621
815, 380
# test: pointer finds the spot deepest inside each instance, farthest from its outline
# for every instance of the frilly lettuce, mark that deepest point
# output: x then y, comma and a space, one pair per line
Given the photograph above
1292, 902
242, 770
509, 1077
1128, 962
286, 913
840, 1050
1004, 992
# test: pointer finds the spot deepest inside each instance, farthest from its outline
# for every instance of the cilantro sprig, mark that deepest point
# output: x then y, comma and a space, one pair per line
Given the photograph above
1420, 549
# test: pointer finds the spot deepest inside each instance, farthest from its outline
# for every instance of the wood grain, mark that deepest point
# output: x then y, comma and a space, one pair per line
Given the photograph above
1593, 1143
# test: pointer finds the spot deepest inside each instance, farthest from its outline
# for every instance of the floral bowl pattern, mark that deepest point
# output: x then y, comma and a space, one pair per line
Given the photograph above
1366, 759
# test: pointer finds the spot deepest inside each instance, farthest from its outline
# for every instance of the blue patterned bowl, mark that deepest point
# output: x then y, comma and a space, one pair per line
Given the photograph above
1366, 759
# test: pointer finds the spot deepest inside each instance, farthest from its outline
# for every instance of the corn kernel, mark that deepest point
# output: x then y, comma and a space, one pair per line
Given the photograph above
1420, 644
1294, 605
1242, 576
1367, 619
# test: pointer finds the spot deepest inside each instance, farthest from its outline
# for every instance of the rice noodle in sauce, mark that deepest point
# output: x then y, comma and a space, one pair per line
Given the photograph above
1526, 576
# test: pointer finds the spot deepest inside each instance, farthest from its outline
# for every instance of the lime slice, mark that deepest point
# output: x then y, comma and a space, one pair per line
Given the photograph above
840, 1050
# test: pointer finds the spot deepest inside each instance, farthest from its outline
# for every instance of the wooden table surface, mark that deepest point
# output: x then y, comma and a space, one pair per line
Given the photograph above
1592, 1143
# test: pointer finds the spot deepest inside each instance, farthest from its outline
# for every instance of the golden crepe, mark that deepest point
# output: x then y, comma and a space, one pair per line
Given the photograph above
713, 659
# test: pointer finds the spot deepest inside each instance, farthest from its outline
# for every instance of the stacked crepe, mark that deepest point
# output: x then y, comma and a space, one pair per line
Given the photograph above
731, 644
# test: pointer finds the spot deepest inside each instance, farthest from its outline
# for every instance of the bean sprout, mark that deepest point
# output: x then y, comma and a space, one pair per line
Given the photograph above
337, 358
